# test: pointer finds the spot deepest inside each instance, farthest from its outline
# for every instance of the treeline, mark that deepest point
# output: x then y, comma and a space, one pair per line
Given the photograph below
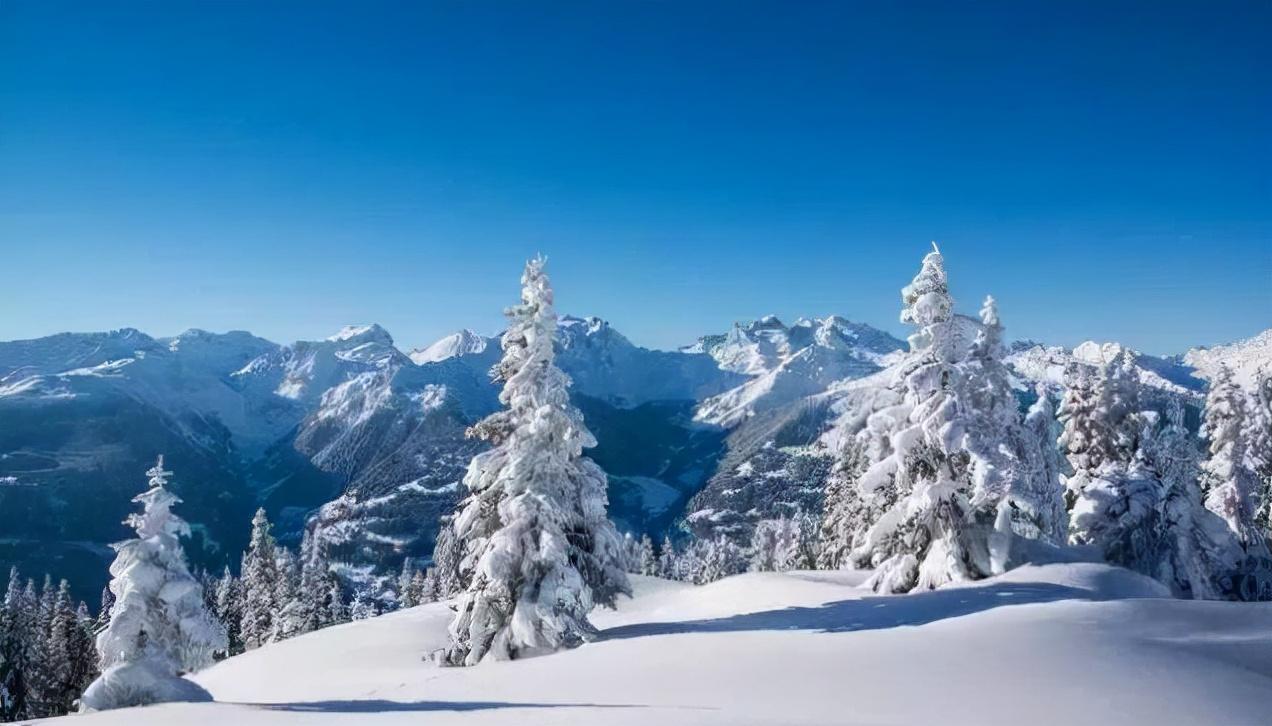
47, 654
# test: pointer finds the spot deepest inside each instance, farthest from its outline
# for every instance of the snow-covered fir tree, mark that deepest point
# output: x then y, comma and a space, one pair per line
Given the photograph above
534, 529
71, 650
667, 559
17, 633
843, 516
260, 585
646, 561
228, 608
1116, 495
158, 628
448, 560
1197, 554
1041, 514
1231, 486
103, 610
919, 486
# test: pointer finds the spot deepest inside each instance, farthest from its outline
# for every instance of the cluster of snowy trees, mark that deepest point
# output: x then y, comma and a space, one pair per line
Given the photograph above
47, 653
278, 594
952, 482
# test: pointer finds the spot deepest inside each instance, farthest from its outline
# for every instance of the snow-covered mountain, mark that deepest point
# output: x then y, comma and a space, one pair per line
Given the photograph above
1250, 360
732, 428
785, 363
1061, 644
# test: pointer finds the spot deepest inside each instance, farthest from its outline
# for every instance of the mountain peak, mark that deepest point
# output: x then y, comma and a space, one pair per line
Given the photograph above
360, 334
457, 344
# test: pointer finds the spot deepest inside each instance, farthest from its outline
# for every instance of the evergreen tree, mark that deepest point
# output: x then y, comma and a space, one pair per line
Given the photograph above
546, 552
923, 531
1040, 513
843, 516
1231, 486
646, 562
16, 615
430, 587
229, 611
260, 585
408, 595
103, 612
448, 560
667, 559
159, 628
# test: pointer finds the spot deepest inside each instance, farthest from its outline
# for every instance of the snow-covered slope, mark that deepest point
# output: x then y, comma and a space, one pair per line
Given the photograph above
1056, 644
1248, 359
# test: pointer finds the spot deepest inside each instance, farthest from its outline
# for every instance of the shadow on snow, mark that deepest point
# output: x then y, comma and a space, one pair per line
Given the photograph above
869, 613
383, 706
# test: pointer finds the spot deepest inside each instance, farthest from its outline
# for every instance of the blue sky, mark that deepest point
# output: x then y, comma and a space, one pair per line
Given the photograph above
1103, 169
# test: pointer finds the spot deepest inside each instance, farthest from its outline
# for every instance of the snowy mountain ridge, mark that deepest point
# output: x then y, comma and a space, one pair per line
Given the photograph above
293, 427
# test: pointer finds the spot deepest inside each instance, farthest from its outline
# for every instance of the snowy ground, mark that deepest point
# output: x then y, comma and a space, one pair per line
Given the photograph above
1060, 644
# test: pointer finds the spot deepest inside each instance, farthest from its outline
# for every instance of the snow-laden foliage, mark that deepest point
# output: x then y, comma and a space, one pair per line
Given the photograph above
843, 514
785, 543
1231, 486
159, 627
533, 532
260, 586
932, 488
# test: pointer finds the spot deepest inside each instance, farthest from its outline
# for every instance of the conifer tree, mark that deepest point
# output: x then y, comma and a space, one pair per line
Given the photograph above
667, 559
1232, 489
534, 528
159, 627
15, 653
260, 585
923, 532
843, 516
229, 610
646, 562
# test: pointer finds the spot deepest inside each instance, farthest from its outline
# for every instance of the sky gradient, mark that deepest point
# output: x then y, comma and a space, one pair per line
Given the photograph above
1103, 169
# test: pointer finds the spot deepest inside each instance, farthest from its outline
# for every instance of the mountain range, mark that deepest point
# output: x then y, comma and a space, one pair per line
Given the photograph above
366, 443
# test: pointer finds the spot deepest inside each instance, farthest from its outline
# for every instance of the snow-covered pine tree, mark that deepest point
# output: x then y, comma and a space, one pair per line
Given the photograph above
1229, 482
1232, 487
843, 517
1116, 494
103, 611
16, 619
548, 552
1197, 552
667, 559
923, 533
782, 544
229, 611
44, 665
84, 656
260, 586
70, 659
448, 560
287, 623
158, 628
647, 563
706, 561
363, 607
430, 587
1041, 515
408, 596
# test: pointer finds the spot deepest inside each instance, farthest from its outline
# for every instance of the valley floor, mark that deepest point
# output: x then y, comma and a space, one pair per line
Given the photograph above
1057, 644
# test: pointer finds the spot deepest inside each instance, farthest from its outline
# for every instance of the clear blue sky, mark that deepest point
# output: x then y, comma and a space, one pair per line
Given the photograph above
1104, 169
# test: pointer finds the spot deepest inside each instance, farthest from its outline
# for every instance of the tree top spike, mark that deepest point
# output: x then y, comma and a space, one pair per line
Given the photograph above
935, 249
